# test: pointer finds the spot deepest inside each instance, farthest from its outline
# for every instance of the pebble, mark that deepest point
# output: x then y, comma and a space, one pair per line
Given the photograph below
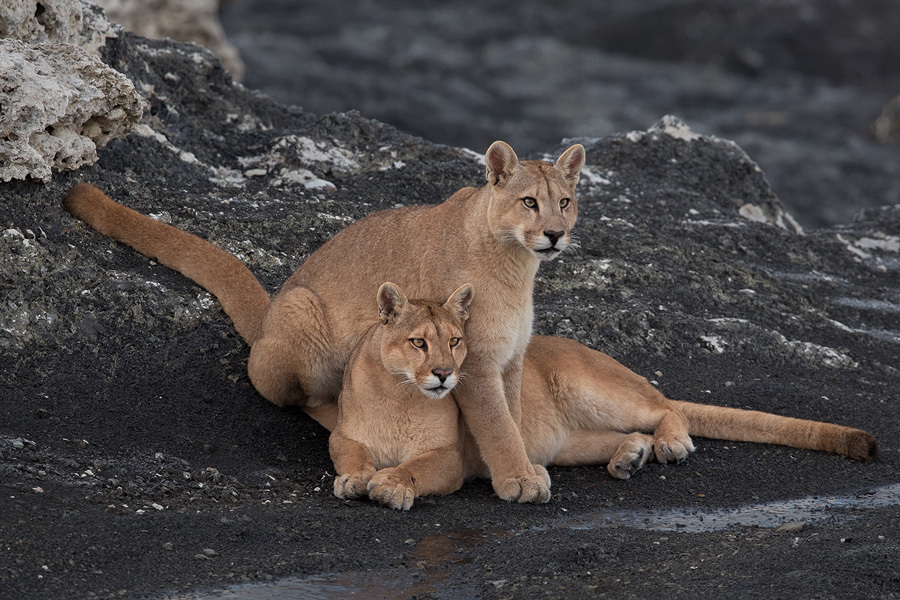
169, 546
210, 552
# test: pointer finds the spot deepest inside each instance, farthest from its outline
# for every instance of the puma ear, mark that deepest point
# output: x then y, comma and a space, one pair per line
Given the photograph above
390, 302
459, 301
571, 162
501, 162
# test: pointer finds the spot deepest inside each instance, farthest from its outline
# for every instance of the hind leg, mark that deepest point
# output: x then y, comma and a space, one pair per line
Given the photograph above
293, 361
670, 438
624, 453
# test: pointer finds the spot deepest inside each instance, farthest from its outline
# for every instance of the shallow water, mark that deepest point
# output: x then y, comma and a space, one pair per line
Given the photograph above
436, 554
768, 515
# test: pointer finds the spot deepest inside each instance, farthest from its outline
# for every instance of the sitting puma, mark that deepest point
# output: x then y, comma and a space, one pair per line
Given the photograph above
398, 435
494, 237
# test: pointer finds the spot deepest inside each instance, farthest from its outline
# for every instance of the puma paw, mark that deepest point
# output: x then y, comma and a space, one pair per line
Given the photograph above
392, 488
541, 471
532, 488
673, 450
631, 455
350, 486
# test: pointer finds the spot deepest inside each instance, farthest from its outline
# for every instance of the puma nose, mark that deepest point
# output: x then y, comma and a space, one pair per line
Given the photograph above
554, 236
442, 374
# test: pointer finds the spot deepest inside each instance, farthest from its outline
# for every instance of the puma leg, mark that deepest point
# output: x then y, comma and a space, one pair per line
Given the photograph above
482, 401
625, 453
354, 465
438, 471
326, 414
292, 362
631, 455
670, 438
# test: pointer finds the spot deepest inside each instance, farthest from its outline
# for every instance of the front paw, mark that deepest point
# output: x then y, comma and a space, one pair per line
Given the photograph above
351, 486
531, 488
392, 488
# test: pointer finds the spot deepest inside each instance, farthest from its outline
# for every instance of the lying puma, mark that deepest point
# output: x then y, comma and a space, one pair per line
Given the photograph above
398, 434
494, 236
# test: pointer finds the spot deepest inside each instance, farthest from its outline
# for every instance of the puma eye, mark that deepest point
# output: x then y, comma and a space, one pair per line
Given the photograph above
529, 202
454, 342
564, 203
418, 343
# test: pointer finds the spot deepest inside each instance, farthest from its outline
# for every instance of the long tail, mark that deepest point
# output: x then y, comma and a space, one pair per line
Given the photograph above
737, 425
224, 275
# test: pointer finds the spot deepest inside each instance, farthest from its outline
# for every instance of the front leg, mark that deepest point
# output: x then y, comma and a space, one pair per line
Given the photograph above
354, 465
512, 387
438, 471
483, 403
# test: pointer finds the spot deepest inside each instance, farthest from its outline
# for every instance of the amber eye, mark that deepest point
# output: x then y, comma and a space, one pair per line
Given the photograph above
418, 343
529, 202
454, 342
564, 203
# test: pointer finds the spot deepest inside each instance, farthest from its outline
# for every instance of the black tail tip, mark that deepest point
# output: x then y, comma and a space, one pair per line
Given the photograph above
862, 446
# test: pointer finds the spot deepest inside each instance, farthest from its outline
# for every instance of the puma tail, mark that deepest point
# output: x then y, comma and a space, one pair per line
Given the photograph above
737, 425
224, 275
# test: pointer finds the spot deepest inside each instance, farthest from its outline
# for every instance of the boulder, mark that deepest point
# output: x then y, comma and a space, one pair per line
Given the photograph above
60, 103
183, 20
55, 21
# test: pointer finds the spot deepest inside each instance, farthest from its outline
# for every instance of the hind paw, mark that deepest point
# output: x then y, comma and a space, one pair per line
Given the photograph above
674, 449
631, 455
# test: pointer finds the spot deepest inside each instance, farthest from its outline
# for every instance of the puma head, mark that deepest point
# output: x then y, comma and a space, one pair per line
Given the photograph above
424, 342
533, 203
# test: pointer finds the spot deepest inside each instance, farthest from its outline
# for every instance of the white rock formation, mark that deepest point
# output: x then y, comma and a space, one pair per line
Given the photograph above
58, 104
55, 21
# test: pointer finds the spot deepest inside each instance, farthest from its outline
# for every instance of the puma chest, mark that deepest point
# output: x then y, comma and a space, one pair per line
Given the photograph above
498, 333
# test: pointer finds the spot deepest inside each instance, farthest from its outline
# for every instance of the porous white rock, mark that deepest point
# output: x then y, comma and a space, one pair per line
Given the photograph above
59, 105
55, 21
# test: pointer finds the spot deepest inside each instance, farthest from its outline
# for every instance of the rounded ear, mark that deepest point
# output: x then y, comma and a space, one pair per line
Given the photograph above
500, 162
571, 162
391, 301
459, 301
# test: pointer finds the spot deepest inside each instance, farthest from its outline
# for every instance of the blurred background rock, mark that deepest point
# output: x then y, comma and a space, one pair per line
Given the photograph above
798, 84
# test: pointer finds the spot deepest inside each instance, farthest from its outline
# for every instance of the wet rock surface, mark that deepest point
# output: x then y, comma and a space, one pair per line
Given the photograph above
799, 85
136, 460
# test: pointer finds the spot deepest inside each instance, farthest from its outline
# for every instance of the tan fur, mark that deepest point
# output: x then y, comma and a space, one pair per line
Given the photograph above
493, 237
396, 437
579, 407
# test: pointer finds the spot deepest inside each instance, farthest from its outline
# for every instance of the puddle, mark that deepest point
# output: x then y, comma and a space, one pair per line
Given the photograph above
432, 558
364, 585
768, 515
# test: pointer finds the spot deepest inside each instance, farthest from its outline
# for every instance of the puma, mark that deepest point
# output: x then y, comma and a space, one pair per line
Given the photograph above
494, 237
398, 435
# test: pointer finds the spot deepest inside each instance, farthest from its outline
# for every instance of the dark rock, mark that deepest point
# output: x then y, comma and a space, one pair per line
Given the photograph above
799, 85
687, 268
